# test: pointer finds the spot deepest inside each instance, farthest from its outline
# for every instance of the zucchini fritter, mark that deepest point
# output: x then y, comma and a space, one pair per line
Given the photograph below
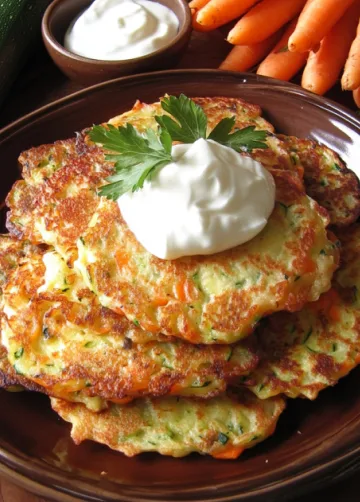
57, 197
58, 336
12, 253
327, 179
92, 319
215, 299
307, 351
9, 379
222, 427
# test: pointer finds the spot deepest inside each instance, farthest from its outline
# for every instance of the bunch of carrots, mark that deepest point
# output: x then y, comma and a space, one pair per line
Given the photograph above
286, 35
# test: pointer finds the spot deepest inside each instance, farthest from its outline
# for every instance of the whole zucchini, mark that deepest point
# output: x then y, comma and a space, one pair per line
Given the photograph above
20, 22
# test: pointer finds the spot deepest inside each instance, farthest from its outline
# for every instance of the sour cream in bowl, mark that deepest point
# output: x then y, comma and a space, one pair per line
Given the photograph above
121, 29
93, 41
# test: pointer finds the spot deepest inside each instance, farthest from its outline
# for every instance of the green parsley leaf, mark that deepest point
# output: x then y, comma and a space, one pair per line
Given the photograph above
137, 156
191, 120
140, 156
242, 140
222, 130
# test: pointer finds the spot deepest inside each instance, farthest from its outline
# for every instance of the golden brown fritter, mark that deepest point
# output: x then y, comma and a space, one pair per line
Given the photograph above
304, 352
9, 379
216, 108
59, 337
12, 253
327, 179
55, 201
98, 322
215, 299
222, 427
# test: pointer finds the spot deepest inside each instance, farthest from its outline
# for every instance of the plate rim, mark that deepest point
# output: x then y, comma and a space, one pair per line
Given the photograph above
318, 101
14, 468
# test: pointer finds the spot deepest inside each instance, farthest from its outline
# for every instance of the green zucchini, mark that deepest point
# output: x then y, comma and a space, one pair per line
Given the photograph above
20, 23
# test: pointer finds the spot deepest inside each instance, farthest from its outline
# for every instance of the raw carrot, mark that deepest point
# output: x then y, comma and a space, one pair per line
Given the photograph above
356, 96
324, 66
351, 76
243, 57
196, 26
198, 4
315, 21
195, 6
281, 63
263, 20
219, 12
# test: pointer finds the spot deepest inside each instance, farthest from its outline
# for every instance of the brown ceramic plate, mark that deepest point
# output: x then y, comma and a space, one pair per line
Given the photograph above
315, 442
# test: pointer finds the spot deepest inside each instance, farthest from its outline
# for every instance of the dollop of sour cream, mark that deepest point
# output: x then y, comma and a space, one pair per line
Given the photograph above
210, 198
121, 29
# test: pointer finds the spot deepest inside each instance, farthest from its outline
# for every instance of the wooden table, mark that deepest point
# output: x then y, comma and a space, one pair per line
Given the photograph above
40, 83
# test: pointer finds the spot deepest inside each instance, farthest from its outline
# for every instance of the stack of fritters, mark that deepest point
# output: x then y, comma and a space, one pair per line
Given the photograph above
193, 354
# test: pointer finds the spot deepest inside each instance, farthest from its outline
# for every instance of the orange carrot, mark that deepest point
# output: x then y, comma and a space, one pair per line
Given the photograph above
198, 4
308, 266
73, 385
185, 290
356, 96
229, 453
195, 6
148, 326
180, 290
196, 26
281, 63
160, 301
263, 20
315, 21
121, 258
243, 57
177, 388
351, 76
123, 400
324, 66
219, 12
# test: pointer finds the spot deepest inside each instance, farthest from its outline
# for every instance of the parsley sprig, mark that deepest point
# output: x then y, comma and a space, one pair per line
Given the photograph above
140, 156
137, 157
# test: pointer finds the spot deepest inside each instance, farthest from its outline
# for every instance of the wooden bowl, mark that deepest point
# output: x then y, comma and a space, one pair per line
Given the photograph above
58, 17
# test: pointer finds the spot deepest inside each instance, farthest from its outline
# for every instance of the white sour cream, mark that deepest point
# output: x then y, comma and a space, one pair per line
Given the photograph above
121, 29
210, 198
